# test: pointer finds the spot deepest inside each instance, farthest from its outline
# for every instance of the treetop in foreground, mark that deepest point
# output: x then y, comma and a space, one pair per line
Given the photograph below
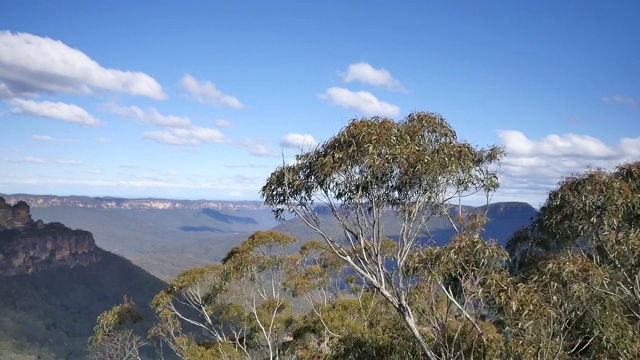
415, 167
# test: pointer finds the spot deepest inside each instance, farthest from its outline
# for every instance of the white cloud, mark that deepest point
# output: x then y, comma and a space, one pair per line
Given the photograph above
298, 141
46, 138
151, 116
234, 165
69, 162
94, 171
630, 147
367, 74
43, 138
54, 110
620, 99
190, 136
258, 147
362, 101
207, 93
26, 159
31, 64
533, 167
223, 123
103, 140
555, 145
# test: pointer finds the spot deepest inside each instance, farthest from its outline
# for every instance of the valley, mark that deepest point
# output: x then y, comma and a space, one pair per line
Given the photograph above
166, 236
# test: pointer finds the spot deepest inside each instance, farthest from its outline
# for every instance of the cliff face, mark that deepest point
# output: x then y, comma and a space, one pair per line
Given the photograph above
27, 246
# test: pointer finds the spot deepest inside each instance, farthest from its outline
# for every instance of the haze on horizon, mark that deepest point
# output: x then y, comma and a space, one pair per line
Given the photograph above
202, 101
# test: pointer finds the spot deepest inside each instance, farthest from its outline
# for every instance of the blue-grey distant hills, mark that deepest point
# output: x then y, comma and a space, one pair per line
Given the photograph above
504, 218
166, 236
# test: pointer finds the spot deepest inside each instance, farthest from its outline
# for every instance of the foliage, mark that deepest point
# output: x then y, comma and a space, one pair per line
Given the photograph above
581, 261
414, 167
239, 308
116, 345
112, 339
114, 319
566, 287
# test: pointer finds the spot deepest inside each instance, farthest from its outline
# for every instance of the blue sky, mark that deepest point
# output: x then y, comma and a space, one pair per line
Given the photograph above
200, 100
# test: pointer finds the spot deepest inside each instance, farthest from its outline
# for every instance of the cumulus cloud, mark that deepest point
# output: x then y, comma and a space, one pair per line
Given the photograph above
190, 136
207, 93
31, 64
367, 74
151, 116
620, 99
533, 167
298, 141
54, 110
362, 101
555, 145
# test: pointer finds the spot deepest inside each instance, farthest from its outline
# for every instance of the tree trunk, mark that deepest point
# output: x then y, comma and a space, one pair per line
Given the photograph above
411, 324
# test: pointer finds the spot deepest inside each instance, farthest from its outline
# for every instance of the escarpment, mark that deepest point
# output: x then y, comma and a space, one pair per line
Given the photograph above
28, 246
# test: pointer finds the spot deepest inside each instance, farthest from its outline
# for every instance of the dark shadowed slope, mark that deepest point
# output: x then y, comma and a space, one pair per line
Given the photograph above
229, 219
52, 313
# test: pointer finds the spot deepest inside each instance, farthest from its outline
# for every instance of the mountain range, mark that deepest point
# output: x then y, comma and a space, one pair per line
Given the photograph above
166, 236
56, 279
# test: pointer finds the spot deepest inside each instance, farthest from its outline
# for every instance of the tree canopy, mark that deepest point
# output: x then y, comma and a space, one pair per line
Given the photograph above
414, 167
565, 287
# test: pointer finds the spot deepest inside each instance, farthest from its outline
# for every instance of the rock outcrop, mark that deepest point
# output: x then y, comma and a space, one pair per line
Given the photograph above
28, 246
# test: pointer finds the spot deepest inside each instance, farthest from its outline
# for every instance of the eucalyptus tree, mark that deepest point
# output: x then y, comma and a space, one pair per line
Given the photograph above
260, 267
239, 309
113, 336
415, 167
195, 318
582, 255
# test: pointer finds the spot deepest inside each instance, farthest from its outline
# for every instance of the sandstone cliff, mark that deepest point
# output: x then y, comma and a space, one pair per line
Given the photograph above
28, 246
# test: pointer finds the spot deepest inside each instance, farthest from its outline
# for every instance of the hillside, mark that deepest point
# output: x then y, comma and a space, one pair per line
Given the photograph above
52, 313
54, 282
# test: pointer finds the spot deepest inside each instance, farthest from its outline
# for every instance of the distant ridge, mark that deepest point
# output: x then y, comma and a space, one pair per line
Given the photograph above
504, 218
42, 201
